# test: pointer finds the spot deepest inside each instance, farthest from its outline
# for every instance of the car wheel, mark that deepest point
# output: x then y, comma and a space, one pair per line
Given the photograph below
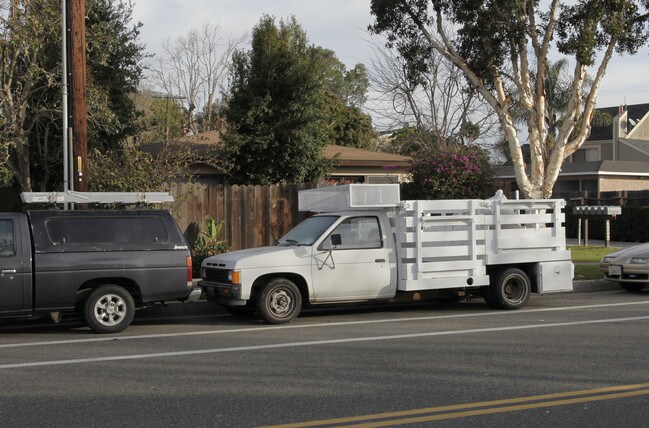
510, 289
279, 301
109, 309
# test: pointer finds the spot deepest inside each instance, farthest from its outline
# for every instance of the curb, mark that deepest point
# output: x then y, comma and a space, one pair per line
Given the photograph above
588, 286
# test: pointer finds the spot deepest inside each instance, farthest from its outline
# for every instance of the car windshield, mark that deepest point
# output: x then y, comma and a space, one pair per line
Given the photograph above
308, 231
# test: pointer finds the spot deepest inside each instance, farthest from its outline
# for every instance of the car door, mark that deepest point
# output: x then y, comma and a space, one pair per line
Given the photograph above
353, 262
15, 279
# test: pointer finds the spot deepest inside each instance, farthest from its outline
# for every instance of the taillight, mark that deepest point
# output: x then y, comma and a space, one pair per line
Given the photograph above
188, 262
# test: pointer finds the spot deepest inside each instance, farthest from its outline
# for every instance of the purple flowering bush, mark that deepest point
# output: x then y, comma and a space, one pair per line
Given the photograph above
456, 172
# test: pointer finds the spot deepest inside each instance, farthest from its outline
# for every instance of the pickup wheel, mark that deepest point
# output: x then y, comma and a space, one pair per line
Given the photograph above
279, 301
510, 289
109, 309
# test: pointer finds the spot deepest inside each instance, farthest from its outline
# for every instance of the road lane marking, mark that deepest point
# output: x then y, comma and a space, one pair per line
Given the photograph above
314, 343
327, 324
111, 338
456, 411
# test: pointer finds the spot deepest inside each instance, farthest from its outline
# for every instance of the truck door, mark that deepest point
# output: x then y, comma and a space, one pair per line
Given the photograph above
353, 262
15, 271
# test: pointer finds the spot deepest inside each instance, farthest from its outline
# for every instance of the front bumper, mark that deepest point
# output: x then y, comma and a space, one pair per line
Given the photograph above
225, 294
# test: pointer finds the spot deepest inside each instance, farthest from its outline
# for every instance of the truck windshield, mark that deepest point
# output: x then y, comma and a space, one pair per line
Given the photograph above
308, 231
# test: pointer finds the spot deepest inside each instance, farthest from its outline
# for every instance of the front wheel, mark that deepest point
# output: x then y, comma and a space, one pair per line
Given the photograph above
109, 309
510, 289
279, 301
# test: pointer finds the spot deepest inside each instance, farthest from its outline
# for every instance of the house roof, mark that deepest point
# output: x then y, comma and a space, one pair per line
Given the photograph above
605, 132
596, 168
639, 145
352, 156
210, 144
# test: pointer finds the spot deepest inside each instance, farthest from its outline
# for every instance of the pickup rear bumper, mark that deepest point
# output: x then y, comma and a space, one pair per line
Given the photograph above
194, 295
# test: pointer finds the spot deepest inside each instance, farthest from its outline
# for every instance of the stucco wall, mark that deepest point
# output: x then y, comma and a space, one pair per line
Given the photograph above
631, 183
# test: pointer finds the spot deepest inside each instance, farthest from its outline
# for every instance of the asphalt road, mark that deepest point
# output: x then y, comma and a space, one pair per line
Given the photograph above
577, 359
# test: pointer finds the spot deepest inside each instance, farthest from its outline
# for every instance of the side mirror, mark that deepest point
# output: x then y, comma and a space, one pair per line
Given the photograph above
336, 239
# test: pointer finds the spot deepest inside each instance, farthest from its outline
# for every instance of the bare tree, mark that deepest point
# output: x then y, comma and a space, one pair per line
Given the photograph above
22, 79
439, 103
503, 49
194, 68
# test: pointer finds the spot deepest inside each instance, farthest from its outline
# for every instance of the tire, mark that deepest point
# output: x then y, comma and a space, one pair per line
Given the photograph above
632, 287
510, 289
109, 309
279, 301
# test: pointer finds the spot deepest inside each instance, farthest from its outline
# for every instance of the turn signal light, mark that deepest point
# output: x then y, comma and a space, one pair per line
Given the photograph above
235, 277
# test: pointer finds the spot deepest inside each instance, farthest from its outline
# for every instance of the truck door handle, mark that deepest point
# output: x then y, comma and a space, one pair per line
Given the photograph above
8, 271
379, 260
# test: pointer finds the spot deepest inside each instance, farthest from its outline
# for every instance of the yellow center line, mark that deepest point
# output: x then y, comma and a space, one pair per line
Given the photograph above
480, 408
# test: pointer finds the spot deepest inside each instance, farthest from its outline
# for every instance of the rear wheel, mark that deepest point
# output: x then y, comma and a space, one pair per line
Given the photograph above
510, 289
279, 301
632, 287
109, 309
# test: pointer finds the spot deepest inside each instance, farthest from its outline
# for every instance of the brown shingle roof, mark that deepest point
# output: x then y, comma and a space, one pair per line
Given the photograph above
210, 143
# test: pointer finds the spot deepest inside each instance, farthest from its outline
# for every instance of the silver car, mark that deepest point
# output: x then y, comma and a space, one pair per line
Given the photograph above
628, 266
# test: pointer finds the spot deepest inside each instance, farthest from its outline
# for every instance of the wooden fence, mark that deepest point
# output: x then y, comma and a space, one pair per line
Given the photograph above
626, 197
252, 216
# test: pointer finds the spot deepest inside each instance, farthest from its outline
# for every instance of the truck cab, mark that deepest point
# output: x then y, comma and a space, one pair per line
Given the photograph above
333, 257
15, 266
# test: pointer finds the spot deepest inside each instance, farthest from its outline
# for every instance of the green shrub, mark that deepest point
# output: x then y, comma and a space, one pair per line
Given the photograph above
208, 244
455, 172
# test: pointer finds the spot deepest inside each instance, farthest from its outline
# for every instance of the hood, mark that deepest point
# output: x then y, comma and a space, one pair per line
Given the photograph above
636, 250
263, 257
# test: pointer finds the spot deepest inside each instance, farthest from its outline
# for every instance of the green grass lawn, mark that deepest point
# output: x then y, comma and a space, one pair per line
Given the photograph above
586, 259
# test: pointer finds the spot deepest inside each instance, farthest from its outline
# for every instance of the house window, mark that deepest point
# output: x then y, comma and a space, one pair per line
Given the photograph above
383, 179
591, 154
586, 155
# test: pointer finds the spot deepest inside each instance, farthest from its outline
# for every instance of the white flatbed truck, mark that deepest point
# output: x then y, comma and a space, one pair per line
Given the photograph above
366, 245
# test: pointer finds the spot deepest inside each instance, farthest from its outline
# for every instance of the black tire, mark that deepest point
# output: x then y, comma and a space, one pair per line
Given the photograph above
632, 287
510, 289
109, 309
279, 301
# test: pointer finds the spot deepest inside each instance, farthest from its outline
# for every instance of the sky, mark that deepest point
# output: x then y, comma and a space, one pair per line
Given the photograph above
341, 26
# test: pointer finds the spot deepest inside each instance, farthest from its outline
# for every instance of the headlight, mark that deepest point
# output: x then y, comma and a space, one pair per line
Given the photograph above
607, 259
639, 260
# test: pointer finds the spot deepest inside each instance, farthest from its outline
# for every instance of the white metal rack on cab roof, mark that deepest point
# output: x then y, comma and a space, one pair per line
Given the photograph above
72, 197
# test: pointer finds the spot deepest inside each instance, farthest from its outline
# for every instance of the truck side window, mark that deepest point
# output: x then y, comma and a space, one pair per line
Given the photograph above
358, 233
106, 230
6, 238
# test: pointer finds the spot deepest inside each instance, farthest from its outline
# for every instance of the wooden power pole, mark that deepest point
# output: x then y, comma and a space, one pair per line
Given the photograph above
78, 110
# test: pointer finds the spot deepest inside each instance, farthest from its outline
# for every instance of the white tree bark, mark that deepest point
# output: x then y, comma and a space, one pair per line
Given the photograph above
547, 154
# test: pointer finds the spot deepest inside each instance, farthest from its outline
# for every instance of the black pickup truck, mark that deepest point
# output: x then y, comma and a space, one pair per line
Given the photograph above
98, 263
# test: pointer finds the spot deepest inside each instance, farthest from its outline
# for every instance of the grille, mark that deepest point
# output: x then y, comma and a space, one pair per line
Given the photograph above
216, 275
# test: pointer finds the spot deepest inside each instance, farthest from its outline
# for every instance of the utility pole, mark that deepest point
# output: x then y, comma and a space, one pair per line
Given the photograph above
79, 121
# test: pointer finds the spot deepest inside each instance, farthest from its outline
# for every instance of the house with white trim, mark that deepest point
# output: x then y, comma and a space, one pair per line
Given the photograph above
615, 157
